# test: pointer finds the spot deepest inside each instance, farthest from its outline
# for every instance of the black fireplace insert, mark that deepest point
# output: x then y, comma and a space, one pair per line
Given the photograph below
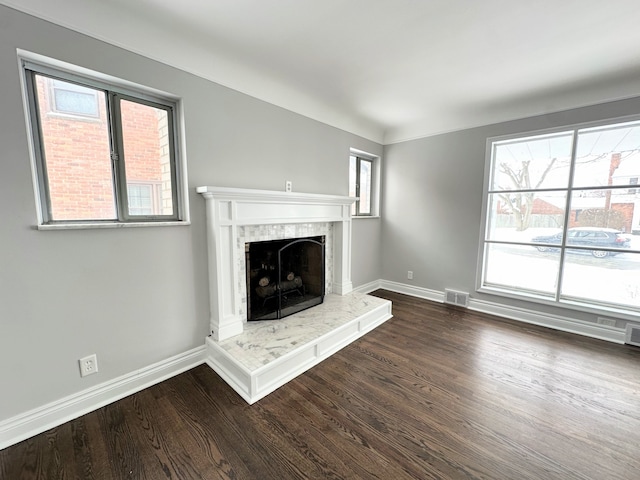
284, 276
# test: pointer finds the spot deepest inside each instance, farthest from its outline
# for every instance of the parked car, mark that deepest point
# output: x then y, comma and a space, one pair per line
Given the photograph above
587, 237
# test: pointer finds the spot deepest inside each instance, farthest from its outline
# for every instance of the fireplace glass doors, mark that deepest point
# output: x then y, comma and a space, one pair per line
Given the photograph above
284, 276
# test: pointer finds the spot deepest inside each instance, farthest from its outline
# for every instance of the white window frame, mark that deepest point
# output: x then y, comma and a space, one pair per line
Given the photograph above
53, 102
621, 311
375, 184
127, 90
154, 189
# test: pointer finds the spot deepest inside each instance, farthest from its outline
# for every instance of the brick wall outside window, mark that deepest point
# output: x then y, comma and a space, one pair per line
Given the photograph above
78, 163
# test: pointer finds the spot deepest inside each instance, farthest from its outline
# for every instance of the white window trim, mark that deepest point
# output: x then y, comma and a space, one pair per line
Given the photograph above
90, 225
126, 87
375, 181
54, 107
566, 304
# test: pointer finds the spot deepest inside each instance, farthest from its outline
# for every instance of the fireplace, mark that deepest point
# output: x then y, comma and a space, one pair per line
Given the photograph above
256, 357
237, 216
284, 276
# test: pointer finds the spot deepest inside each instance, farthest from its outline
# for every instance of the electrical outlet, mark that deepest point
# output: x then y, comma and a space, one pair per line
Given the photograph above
287, 186
88, 365
410, 275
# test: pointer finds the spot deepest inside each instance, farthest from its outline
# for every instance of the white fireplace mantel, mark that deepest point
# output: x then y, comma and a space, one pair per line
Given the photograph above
231, 208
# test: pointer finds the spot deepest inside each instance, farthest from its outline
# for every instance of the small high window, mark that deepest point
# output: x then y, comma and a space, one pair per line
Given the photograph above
362, 183
102, 154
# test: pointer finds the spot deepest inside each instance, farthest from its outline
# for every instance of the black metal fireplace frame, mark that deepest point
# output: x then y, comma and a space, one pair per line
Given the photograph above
280, 292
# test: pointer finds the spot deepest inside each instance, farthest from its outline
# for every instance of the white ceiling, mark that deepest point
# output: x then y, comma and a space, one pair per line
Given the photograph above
389, 70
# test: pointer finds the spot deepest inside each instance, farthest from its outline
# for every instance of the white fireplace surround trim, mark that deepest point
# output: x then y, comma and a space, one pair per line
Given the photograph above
230, 208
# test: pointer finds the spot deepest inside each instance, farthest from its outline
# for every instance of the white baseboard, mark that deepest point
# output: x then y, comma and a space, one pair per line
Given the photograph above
565, 324
38, 420
368, 287
419, 292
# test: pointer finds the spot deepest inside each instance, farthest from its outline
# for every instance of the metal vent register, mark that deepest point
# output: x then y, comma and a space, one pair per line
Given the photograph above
454, 297
632, 336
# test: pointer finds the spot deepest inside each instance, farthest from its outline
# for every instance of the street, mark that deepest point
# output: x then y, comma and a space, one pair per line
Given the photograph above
613, 279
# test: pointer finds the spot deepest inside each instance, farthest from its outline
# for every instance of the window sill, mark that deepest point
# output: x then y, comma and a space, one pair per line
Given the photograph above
621, 312
365, 216
86, 226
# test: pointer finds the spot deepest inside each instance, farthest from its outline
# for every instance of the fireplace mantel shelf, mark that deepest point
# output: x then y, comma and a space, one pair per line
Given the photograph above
243, 194
238, 206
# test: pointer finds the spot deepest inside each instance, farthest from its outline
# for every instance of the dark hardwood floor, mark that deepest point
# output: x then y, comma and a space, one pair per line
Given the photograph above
434, 393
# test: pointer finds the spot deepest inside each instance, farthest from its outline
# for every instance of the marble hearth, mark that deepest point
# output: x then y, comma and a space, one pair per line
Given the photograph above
257, 357
268, 354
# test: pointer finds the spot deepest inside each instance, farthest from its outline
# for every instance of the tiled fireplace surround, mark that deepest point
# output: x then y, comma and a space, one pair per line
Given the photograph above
255, 358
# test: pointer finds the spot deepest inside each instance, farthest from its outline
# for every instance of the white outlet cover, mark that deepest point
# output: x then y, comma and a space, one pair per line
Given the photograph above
88, 365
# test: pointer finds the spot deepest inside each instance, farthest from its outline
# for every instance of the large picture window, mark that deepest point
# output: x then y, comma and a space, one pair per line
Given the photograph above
562, 220
102, 154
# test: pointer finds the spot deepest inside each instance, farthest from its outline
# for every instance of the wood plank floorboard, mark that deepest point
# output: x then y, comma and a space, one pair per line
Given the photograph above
435, 393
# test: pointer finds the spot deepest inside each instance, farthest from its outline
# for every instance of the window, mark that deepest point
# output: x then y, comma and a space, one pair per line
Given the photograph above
559, 214
71, 98
362, 178
103, 154
144, 199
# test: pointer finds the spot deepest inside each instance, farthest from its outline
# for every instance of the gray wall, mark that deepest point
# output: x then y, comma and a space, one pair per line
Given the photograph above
366, 251
136, 296
433, 203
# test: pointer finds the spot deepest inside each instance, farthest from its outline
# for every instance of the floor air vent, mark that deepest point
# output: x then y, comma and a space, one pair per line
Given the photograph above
453, 297
632, 336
